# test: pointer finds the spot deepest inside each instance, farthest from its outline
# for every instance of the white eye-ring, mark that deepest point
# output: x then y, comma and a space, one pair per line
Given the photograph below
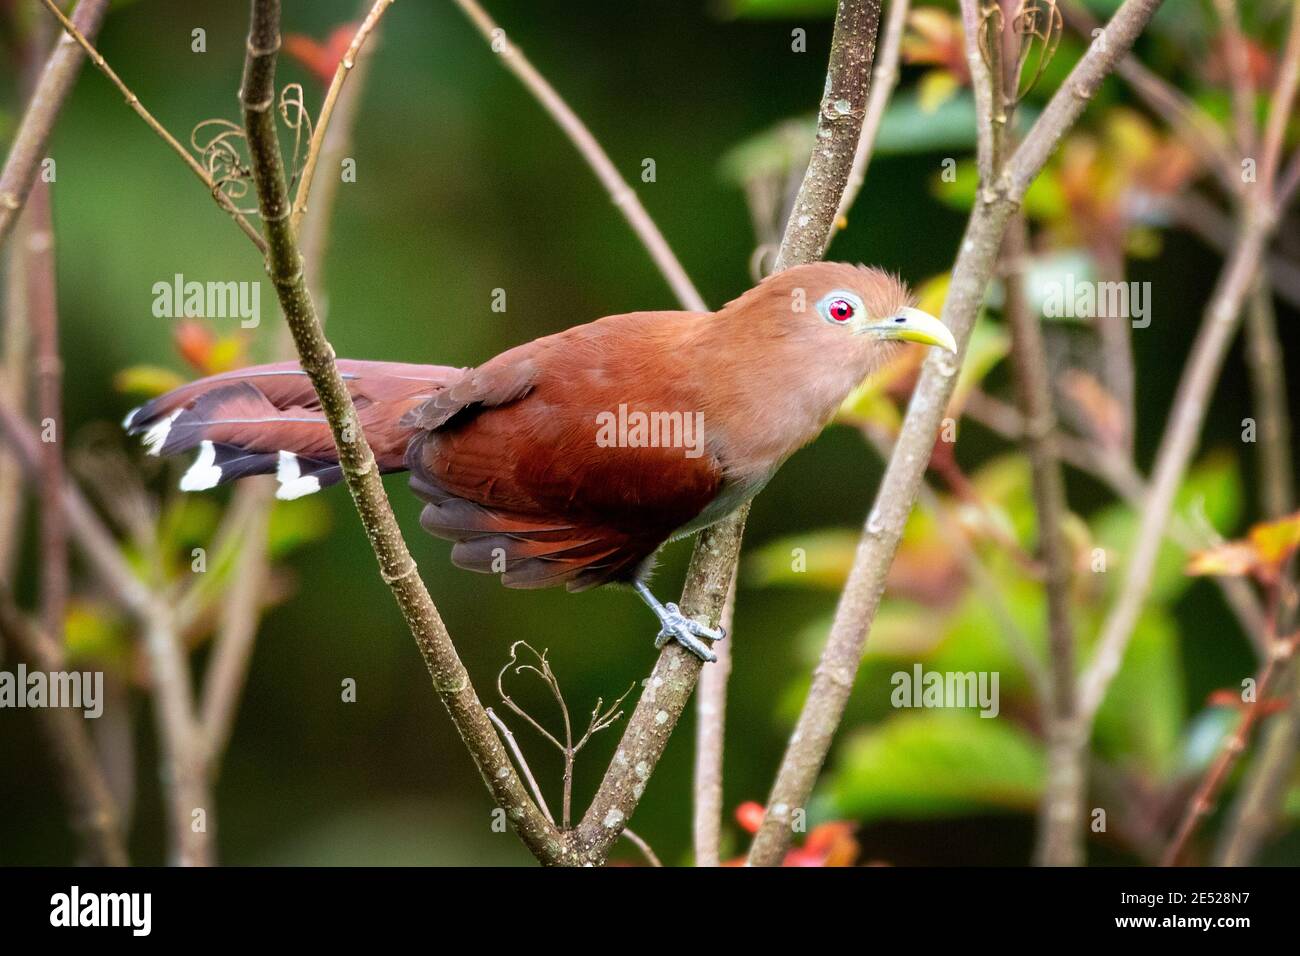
839, 307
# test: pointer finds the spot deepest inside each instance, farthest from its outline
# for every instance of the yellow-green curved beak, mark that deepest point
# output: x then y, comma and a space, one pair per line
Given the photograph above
913, 325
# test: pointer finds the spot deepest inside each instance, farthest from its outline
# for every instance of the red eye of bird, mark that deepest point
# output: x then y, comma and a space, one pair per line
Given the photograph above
841, 310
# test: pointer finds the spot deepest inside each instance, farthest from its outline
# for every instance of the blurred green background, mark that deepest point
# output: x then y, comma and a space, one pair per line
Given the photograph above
464, 185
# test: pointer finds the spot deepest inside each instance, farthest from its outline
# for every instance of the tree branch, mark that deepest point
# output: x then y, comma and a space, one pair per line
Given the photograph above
1263, 790
1264, 358
1176, 448
13, 393
241, 608
624, 197
1202, 801
1199, 130
884, 79
1060, 828
47, 101
341, 73
183, 751
284, 264
1258, 220
88, 532
1237, 59
43, 313
833, 679
710, 732
717, 549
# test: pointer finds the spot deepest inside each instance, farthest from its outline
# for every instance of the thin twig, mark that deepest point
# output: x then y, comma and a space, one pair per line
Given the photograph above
710, 733
191, 815
43, 313
13, 394
322, 123
1264, 358
1122, 477
133, 101
241, 607
623, 196
717, 549
641, 845
1215, 228
1203, 800
239, 613
522, 763
1176, 447
57, 79
883, 81
88, 532
1262, 794
1281, 105
396, 566
185, 779
601, 717
92, 810
1199, 130
1237, 59
1060, 828
834, 676
1223, 312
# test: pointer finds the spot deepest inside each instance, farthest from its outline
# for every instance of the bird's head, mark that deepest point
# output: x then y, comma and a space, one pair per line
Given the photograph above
846, 310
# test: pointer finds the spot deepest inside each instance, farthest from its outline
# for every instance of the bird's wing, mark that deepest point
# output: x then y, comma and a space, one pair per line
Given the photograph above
506, 378
570, 459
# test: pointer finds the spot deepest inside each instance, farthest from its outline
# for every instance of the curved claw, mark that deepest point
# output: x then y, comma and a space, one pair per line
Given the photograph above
687, 632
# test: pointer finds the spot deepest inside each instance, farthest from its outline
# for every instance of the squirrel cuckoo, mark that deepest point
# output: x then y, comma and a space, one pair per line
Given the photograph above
571, 459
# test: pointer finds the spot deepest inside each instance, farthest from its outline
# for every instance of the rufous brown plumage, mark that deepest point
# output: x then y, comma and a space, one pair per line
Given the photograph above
572, 458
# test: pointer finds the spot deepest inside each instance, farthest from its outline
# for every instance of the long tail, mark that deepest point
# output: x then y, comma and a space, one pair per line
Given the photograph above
266, 419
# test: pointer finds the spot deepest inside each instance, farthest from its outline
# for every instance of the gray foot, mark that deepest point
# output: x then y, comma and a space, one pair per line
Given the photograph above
676, 626
687, 632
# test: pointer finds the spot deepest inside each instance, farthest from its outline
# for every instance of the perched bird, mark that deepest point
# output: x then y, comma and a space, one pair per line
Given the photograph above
571, 459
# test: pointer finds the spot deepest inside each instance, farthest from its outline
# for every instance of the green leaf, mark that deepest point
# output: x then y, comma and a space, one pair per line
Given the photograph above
1142, 718
296, 523
774, 151
976, 640
817, 559
147, 380
989, 345
95, 633
1043, 200
933, 764
1004, 486
908, 127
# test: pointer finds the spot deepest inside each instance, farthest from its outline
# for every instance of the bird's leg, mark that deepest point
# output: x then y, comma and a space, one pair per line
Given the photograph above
676, 626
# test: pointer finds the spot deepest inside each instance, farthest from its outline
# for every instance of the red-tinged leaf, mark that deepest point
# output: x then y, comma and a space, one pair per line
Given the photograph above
194, 342
935, 38
1224, 697
1272, 705
1259, 62
750, 815
321, 59
1232, 559
830, 844
1275, 541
